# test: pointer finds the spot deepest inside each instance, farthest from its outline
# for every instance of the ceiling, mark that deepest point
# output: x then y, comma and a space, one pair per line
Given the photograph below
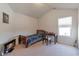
38, 9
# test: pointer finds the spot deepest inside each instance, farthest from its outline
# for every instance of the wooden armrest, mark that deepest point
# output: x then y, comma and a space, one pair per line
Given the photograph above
24, 40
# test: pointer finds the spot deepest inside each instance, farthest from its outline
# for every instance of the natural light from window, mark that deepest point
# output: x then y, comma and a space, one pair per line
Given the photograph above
64, 26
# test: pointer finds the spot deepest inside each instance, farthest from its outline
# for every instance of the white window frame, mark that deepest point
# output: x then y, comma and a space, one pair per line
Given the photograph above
62, 23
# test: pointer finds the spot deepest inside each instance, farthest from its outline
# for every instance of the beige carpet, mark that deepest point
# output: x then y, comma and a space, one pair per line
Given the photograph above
40, 49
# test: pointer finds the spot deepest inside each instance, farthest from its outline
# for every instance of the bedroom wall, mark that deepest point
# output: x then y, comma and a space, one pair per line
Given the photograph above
6, 30
49, 22
25, 25
78, 27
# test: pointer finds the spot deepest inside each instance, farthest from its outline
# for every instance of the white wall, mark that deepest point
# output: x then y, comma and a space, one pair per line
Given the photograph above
78, 27
49, 22
25, 25
6, 30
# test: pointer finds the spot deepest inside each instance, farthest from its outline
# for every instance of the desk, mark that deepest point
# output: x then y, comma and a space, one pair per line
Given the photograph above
47, 38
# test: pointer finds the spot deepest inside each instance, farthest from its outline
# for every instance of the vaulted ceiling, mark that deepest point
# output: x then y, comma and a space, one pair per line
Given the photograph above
38, 9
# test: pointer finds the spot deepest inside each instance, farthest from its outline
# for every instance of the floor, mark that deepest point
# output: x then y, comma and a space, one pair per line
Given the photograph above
40, 49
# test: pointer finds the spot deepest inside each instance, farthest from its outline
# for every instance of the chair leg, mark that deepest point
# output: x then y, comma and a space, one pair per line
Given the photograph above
46, 41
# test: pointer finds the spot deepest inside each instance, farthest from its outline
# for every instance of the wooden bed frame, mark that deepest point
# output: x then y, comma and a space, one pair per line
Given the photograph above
23, 39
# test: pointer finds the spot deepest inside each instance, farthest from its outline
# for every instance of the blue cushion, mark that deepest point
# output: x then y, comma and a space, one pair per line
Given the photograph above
34, 38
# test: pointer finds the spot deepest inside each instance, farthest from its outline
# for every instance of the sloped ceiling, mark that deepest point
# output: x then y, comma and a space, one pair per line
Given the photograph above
38, 9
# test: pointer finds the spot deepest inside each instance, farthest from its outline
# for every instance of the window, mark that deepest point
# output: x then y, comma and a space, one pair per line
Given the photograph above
64, 25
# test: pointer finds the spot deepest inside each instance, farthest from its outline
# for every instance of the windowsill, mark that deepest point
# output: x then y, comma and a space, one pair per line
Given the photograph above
64, 36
